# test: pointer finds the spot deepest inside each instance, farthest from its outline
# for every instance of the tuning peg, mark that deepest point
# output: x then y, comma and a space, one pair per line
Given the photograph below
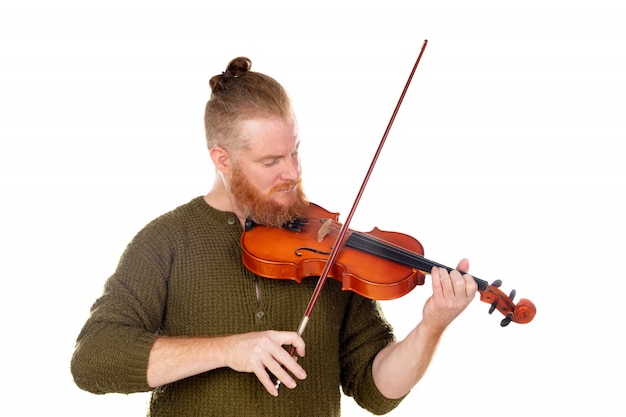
497, 283
512, 295
505, 321
493, 307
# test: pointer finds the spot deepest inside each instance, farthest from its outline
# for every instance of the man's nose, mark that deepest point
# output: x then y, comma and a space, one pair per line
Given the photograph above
292, 169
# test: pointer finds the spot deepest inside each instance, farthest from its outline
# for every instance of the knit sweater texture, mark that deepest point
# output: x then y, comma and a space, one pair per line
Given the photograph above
182, 275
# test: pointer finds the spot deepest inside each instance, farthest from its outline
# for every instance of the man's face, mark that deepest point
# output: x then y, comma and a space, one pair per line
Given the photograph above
265, 180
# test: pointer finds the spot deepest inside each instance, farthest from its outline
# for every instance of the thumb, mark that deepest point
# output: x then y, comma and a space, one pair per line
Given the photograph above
463, 266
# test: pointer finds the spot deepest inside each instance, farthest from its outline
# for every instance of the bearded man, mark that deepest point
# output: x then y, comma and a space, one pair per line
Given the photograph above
183, 318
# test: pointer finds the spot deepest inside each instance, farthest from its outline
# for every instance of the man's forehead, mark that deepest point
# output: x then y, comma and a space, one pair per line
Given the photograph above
264, 134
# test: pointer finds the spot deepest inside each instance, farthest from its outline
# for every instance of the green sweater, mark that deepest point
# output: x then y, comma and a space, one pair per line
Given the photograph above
182, 275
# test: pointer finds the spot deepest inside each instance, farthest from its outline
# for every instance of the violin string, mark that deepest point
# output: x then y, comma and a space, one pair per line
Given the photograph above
399, 254
390, 251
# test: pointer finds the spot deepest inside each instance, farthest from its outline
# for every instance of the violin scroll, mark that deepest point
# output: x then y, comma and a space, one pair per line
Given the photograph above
521, 313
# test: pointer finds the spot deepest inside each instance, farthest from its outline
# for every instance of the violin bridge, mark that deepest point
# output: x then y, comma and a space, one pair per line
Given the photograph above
324, 230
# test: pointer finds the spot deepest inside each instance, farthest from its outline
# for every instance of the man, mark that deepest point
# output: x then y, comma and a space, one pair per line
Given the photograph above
183, 317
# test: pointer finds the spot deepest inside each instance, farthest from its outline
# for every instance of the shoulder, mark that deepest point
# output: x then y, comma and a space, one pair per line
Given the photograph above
174, 219
194, 218
167, 228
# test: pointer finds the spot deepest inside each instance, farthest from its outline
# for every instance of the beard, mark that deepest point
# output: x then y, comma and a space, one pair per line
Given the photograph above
259, 207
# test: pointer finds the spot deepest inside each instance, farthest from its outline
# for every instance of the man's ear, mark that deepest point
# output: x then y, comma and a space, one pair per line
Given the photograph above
221, 159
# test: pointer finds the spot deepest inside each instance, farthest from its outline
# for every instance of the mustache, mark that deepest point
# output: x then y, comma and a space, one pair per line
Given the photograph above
286, 186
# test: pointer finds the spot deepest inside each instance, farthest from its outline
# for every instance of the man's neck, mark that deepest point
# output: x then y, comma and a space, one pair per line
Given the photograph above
220, 199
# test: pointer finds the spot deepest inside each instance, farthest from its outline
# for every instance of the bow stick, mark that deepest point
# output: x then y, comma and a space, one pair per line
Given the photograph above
344, 228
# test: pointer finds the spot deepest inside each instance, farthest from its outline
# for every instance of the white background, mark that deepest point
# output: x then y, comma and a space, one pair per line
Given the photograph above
506, 151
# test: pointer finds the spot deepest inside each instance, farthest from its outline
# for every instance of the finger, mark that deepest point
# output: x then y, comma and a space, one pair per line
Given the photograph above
471, 286
436, 280
297, 344
444, 278
300, 347
280, 374
463, 284
459, 282
270, 370
440, 281
289, 363
267, 382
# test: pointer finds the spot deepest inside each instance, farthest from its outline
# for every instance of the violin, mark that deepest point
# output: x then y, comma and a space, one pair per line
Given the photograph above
379, 265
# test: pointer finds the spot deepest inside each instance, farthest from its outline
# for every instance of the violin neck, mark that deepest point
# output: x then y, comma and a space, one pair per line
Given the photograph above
388, 251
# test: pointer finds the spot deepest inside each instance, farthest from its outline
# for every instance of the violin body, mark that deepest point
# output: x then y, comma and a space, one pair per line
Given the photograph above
298, 252
379, 265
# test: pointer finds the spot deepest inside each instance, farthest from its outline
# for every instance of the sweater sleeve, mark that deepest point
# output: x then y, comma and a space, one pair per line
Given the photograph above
366, 332
112, 349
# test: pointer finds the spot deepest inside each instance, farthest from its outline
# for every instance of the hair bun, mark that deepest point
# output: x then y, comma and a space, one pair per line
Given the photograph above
235, 68
239, 66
